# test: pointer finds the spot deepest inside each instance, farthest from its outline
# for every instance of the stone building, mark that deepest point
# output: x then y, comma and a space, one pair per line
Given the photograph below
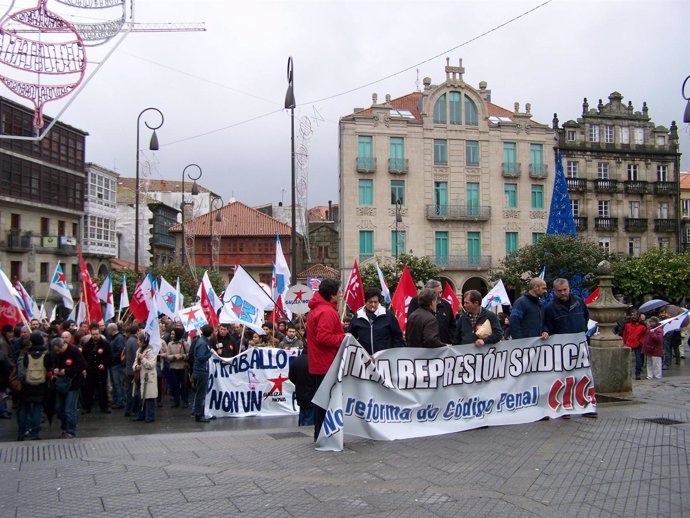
443, 173
99, 234
623, 177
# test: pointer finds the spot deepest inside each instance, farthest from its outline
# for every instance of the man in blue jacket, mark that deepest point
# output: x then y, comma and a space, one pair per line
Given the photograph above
527, 315
202, 353
566, 313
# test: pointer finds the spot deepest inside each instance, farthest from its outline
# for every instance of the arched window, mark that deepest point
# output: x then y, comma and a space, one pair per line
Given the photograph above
455, 107
471, 118
440, 110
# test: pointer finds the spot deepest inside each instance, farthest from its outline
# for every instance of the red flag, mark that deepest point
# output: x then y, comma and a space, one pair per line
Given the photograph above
592, 296
450, 296
354, 291
138, 306
89, 291
9, 314
404, 293
209, 312
278, 311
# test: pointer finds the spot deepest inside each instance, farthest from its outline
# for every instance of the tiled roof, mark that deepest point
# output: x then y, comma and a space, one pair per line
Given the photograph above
685, 180
237, 219
498, 111
160, 185
319, 270
119, 265
126, 196
408, 102
320, 213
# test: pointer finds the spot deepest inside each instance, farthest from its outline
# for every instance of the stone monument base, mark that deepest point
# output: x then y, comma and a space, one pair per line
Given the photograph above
611, 369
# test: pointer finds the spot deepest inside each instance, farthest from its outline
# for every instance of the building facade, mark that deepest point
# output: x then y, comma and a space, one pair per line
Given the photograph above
443, 173
623, 177
98, 229
685, 211
41, 199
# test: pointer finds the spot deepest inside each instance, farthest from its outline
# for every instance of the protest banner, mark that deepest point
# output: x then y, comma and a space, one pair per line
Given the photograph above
415, 392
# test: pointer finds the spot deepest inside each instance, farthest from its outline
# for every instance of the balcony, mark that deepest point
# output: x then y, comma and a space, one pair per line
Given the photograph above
665, 225
635, 224
580, 223
635, 187
605, 185
606, 223
664, 188
458, 212
18, 243
461, 262
511, 169
538, 170
365, 164
397, 165
576, 184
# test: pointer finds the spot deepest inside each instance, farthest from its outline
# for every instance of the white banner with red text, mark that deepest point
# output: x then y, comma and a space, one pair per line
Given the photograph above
415, 392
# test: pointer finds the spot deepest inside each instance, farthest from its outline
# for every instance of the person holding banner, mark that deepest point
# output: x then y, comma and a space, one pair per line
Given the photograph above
325, 334
527, 316
477, 325
422, 325
374, 326
443, 312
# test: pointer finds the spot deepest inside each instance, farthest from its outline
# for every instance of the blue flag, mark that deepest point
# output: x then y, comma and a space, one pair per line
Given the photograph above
560, 215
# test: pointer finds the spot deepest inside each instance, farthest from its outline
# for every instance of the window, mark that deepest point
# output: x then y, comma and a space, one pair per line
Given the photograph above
509, 157
441, 248
397, 154
536, 236
570, 135
510, 191
634, 246
45, 227
685, 208
661, 140
632, 172
664, 242
366, 243
603, 170
16, 222
440, 152
634, 209
605, 243
366, 192
511, 242
608, 134
472, 153
365, 152
661, 173
397, 243
440, 110
397, 192
75, 229
624, 134
441, 198
474, 247
663, 210
536, 158
593, 133
76, 274
575, 208
603, 206
102, 189
15, 270
454, 102
471, 116
61, 228
472, 199
639, 135
572, 168
537, 196
44, 272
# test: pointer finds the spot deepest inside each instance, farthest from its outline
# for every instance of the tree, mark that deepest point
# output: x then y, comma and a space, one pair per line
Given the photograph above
571, 258
421, 269
659, 272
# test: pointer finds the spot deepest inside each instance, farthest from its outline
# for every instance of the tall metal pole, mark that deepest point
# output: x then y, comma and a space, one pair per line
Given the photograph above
215, 243
398, 219
153, 145
184, 204
290, 103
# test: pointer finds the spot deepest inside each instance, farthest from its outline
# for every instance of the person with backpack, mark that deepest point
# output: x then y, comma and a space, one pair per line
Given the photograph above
37, 366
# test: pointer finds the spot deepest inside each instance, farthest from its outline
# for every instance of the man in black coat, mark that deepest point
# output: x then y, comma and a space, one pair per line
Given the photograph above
99, 358
471, 323
444, 312
422, 324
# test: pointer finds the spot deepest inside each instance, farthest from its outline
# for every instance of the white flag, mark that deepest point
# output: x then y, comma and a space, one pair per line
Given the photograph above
124, 297
81, 313
106, 295
179, 299
58, 283
244, 301
674, 323
166, 299
154, 331
496, 297
212, 297
7, 292
193, 318
384, 287
281, 273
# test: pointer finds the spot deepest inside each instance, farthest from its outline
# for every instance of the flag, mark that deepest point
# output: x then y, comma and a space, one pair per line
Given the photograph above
384, 287
81, 313
89, 291
25, 300
207, 307
9, 313
139, 306
166, 299
106, 295
192, 318
35, 310
592, 296
59, 284
8, 293
560, 214
42, 315
674, 323
124, 297
179, 298
542, 275
496, 297
53, 314
281, 273
404, 293
452, 299
216, 302
354, 291
278, 311
154, 331
244, 301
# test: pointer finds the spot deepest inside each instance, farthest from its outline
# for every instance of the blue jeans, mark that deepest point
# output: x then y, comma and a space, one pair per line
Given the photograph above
639, 359
34, 412
66, 409
178, 386
117, 378
201, 380
148, 410
132, 402
21, 415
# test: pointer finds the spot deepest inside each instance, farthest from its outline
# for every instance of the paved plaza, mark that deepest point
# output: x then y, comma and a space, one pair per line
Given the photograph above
630, 462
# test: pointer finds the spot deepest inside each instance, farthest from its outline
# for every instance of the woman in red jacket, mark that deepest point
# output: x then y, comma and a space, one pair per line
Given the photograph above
633, 334
653, 348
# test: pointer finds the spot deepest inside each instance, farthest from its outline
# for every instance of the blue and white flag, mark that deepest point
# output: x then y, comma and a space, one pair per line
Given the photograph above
542, 275
105, 294
210, 292
498, 296
166, 299
281, 273
384, 287
560, 214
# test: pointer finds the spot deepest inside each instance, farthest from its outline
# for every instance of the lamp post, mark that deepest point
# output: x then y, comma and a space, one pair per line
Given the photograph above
153, 146
686, 115
215, 243
290, 103
398, 219
183, 204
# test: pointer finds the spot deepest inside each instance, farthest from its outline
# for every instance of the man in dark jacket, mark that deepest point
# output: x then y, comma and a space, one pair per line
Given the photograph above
69, 364
202, 353
375, 327
422, 325
527, 315
471, 323
305, 388
37, 365
99, 357
444, 312
117, 368
566, 313
132, 400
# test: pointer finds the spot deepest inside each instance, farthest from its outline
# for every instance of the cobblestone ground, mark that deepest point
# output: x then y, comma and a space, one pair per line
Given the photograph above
630, 462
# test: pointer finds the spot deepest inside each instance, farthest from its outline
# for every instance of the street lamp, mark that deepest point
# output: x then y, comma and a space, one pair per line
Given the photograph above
398, 219
290, 103
183, 204
153, 146
686, 115
215, 242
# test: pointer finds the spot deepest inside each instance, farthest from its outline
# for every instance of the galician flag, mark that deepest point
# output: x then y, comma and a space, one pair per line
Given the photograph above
166, 299
384, 287
105, 294
281, 273
124, 297
496, 297
245, 301
59, 284
210, 292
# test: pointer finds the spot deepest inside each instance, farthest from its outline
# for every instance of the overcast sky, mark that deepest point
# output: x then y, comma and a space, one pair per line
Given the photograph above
210, 85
